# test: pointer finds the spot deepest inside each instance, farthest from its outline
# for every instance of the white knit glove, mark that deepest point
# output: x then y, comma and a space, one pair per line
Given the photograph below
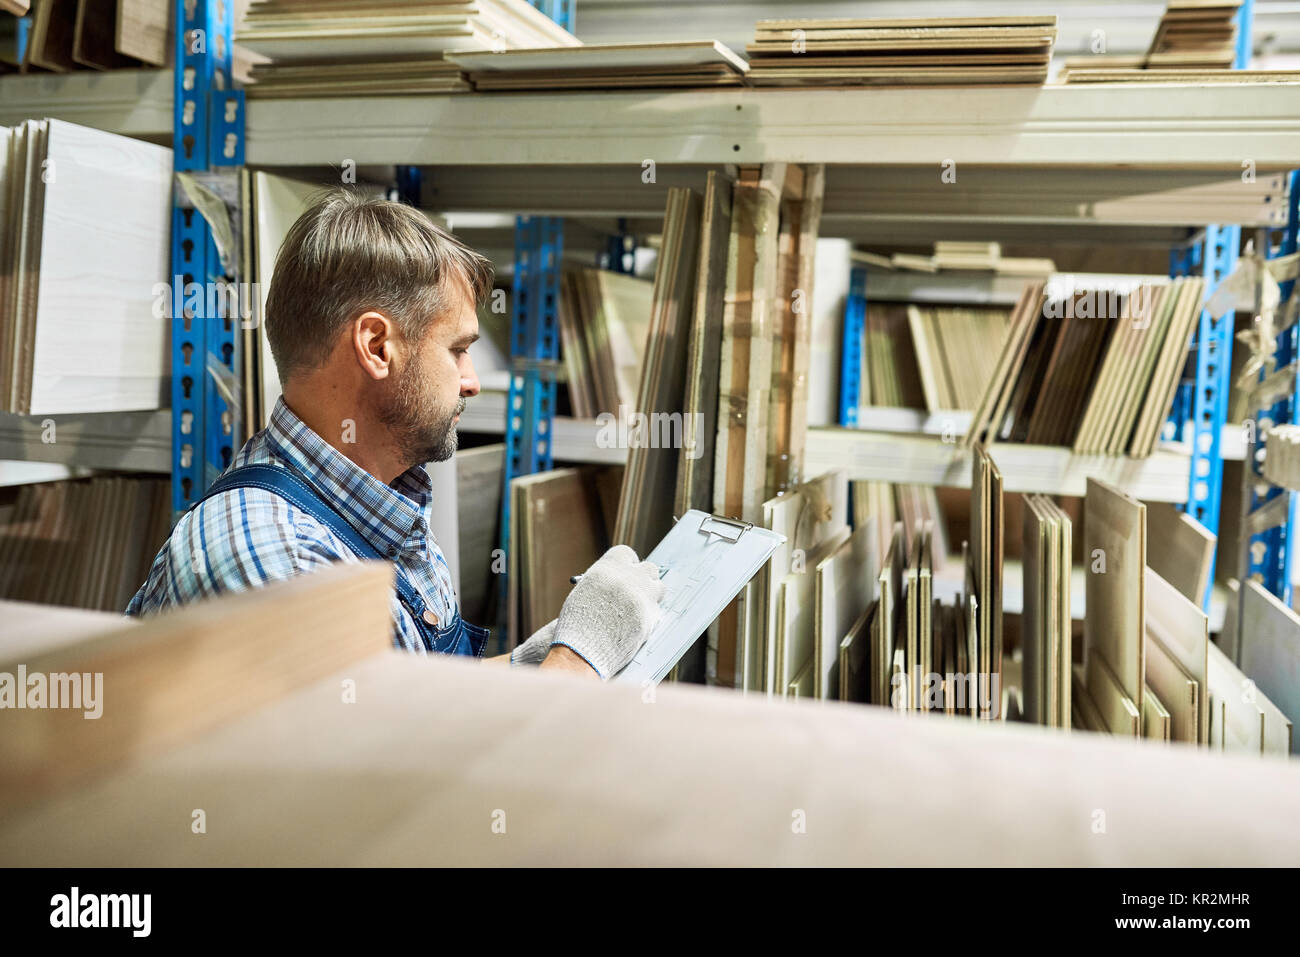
535, 649
611, 611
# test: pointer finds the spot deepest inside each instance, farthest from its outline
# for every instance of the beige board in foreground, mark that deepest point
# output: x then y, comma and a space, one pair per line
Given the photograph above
507, 766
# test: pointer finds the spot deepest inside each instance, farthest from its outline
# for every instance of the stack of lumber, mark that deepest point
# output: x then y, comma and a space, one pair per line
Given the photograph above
85, 245
1149, 668
953, 51
1282, 456
1195, 41
331, 48
603, 66
1091, 369
956, 349
65, 35
560, 523
86, 543
1196, 34
604, 326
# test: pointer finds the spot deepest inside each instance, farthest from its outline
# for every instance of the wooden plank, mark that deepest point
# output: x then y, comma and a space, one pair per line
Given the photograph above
220, 658
855, 659
1186, 704
1155, 717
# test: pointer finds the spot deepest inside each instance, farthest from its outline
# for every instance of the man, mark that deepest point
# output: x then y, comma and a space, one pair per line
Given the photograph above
370, 316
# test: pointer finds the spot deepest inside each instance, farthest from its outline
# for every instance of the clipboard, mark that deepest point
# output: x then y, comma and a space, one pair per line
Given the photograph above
705, 561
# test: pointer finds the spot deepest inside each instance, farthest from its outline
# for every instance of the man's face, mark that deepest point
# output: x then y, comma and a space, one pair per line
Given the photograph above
425, 397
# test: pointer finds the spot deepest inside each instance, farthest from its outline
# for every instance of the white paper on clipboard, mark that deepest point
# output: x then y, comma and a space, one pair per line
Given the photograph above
705, 562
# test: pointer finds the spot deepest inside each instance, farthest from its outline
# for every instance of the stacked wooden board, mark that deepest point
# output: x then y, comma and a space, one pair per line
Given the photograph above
901, 52
87, 543
68, 35
1196, 34
604, 327
1184, 76
890, 368
603, 66
83, 254
327, 48
1091, 369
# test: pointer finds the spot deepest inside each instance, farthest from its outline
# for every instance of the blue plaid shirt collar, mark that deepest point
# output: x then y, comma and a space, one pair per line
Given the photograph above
389, 517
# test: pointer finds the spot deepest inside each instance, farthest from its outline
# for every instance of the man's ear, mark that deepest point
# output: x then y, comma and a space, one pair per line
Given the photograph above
374, 342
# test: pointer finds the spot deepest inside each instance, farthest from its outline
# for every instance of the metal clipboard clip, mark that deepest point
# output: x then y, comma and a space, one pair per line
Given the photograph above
729, 529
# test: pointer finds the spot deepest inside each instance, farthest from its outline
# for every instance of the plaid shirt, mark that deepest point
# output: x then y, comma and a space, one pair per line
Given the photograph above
247, 537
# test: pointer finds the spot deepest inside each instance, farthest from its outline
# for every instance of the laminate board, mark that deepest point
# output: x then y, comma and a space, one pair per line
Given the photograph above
855, 659
1155, 717
1270, 650
602, 56
478, 479
1118, 712
1182, 694
96, 344
1183, 630
844, 588
889, 618
1115, 550
1242, 720
1180, 550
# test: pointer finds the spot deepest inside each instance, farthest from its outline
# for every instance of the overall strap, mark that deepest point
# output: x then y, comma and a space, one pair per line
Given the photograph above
291, 488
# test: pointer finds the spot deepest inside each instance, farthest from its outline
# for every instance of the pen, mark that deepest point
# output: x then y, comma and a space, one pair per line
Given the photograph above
574, 579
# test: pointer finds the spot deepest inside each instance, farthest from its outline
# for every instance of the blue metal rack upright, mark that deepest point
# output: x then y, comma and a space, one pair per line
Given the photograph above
1214, 256
855, 321
208, 135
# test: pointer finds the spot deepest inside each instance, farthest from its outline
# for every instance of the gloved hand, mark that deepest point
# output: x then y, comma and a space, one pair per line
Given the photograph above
535, 649
611, 611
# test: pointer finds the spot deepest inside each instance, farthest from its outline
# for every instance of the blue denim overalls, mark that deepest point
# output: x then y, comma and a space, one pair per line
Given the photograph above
458, 638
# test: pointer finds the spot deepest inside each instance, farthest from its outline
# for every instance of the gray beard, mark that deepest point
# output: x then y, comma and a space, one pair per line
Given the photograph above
423, 430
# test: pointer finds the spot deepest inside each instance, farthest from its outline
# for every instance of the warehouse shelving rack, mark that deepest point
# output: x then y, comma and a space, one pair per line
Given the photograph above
591, 137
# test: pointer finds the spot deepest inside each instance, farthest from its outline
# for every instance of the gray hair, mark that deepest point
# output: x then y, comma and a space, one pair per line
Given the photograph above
350, 254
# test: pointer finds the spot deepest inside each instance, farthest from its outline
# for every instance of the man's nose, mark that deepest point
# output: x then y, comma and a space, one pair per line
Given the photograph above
469, 384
